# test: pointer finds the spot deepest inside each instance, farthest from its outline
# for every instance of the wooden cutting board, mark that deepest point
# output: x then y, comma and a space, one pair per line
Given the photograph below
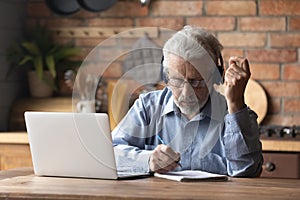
256, 99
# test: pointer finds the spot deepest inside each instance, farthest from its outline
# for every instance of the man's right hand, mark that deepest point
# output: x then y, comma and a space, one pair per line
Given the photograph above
163, 159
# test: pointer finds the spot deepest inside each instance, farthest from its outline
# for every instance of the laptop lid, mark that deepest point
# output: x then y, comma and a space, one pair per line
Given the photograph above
71, 144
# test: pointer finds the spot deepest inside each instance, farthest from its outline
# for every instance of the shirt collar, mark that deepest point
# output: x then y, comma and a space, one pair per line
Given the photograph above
170, 106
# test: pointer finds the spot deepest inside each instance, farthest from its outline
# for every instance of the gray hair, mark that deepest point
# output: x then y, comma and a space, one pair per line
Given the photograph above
191, 43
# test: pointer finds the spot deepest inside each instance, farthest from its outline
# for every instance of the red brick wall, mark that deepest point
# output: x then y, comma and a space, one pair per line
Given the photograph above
265, 31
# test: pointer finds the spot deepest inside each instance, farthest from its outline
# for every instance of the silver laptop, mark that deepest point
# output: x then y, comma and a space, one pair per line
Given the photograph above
72, 145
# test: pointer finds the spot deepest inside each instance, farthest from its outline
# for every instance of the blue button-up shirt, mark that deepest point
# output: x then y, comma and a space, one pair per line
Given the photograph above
212, 141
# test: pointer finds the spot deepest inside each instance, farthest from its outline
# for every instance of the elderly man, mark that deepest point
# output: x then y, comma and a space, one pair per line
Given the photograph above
188, 125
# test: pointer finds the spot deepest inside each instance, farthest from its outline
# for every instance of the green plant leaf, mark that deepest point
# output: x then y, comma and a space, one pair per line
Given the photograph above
54, 49
13, 51
25, 60
69, 64
51, 65
31, 47
38, 51
50, 83
38, 64
66, 52
14, 54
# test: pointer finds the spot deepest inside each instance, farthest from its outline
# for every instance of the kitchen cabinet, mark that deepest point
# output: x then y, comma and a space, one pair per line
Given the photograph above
14, 151
281, 158
281, 165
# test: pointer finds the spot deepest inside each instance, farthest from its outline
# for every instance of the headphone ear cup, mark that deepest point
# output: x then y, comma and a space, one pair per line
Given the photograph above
221, 70
221, 66
165, 78
162, 73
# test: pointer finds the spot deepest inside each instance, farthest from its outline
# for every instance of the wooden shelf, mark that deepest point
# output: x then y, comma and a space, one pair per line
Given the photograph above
124, 32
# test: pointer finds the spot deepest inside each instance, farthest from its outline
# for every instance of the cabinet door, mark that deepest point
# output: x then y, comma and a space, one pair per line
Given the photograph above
14, 156
281, 165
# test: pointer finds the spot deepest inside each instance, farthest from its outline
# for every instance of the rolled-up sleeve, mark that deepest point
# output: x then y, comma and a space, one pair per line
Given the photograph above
243, 148
129, 139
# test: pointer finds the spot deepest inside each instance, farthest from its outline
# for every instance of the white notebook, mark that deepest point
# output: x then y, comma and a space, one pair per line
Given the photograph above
192, 175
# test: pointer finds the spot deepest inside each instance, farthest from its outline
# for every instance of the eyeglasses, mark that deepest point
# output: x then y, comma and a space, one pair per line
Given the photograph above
178, 82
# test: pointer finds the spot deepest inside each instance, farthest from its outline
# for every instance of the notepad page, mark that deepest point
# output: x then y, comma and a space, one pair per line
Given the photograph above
189, 175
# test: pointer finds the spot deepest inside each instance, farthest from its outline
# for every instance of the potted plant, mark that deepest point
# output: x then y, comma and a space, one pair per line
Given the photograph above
43, 59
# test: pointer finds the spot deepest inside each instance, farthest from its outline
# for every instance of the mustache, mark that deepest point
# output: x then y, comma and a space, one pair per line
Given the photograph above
187, 99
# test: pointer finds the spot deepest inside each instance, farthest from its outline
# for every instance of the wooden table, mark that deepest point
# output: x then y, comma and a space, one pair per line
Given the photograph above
21, 183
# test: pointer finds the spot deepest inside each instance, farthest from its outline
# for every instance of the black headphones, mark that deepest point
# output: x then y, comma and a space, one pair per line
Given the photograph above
164, 76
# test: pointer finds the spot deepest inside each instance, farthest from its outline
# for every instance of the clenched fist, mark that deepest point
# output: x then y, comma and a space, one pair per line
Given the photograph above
235, 82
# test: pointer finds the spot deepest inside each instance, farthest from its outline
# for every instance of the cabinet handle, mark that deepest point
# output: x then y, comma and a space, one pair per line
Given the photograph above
269, 166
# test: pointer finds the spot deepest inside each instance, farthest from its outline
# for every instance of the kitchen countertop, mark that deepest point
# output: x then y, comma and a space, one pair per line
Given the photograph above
14, 138
267, 144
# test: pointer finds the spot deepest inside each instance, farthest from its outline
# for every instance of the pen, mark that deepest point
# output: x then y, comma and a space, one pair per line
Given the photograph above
161, 140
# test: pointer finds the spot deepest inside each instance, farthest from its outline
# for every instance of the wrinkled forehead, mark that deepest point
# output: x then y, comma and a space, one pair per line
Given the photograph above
201, 66
179, 67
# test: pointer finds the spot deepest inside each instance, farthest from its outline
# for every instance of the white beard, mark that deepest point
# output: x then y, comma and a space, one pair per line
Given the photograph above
190, 106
